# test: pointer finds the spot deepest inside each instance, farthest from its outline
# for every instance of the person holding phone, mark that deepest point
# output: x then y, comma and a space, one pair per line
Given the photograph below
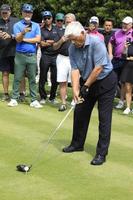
27, 34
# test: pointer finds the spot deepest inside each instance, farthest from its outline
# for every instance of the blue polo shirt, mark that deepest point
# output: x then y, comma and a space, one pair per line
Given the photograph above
26, 47
92, 54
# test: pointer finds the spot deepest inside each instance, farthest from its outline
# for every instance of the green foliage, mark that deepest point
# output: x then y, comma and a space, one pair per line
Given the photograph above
83, 9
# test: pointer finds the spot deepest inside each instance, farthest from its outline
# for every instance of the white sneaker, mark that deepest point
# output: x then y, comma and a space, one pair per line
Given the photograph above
73, 103
42, 101
53, 101
13, 103
126, 111
120, 105
36, 104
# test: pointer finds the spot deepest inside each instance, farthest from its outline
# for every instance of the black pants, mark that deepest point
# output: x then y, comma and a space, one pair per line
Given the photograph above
46, 63
102, 91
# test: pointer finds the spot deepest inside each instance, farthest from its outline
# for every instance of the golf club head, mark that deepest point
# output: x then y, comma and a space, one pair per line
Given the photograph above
23, 168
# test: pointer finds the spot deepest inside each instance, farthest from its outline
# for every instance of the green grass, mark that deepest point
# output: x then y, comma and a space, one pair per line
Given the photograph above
24, 132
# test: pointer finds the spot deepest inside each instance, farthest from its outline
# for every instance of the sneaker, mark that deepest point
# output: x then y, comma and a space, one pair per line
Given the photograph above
62, 107
42, 101
35, 104
5, 97
126, 111
120, 105
73, 103
53, 101
13, 103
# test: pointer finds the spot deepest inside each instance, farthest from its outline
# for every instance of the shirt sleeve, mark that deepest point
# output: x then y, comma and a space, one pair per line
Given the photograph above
72, 57
38, 30
100, 54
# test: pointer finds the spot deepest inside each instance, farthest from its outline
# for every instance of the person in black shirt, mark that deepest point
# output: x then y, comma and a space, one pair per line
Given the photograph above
63, 61
48, 58
7, 47
107, 31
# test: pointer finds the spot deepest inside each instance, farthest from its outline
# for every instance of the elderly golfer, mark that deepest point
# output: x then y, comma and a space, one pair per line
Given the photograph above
93, 81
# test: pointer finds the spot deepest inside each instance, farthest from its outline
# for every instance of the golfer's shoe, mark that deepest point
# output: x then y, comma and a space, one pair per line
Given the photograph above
13, 103
35, 104
98, 160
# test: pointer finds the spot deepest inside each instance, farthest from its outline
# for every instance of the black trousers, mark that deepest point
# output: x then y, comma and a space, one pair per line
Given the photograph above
46, 63
103, 92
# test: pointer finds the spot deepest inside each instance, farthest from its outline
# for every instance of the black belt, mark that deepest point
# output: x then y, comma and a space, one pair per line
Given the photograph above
26, 53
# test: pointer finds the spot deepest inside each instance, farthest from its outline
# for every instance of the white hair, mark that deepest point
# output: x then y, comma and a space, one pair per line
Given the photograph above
74, 28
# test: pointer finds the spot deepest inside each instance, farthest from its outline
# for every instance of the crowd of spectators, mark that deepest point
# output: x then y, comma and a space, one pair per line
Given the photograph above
21, 40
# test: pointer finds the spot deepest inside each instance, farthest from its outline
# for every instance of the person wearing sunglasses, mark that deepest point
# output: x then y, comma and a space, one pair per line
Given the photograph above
48, 58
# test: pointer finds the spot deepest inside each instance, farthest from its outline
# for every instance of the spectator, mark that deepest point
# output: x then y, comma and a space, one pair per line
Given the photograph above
115, 49
127, 74
107, 32
93, 27
48, 58
63, 61
7, 48
27, 35
92, 80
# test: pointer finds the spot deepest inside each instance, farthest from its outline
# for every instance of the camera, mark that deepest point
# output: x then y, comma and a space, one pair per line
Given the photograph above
128, 41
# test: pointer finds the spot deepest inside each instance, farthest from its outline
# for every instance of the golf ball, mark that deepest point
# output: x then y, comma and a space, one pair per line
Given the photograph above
26, 168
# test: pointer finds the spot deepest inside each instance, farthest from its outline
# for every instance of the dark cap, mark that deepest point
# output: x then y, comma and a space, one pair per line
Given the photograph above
5, 7
46, 13
27, 8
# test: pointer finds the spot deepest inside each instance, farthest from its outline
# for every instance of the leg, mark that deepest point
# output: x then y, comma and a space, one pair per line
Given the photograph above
105, 106
31, 73
5, 81
128, 88
20, 65
44, 66
53, 79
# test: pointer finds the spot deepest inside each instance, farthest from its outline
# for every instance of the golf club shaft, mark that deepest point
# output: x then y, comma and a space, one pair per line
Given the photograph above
50, 137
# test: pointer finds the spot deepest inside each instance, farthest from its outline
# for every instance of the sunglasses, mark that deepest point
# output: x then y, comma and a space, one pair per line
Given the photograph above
59, 20
47, 18
4, 13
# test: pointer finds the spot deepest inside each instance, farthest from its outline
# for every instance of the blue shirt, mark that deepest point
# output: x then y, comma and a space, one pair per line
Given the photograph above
92, 54
26, 47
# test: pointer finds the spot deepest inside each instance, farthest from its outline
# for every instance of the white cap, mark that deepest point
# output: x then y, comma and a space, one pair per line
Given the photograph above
94, 19
74, 28
127, 20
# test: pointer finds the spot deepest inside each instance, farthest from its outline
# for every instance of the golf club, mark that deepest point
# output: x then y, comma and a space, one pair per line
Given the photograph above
26, 168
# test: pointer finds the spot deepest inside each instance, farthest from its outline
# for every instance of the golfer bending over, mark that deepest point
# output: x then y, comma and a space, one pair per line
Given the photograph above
92, 81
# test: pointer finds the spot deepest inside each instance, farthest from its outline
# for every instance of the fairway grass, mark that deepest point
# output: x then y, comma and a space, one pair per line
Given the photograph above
24, 132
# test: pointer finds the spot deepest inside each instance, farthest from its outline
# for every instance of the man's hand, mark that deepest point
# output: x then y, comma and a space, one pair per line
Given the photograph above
84, 91
5, 35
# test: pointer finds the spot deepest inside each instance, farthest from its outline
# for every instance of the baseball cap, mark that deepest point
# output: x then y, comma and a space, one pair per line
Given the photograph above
27, 8
74, 28
59, 16
94, 19
127, 20
46, 13
5, 7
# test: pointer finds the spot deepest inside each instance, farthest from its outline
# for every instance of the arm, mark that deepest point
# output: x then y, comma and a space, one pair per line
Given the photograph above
46, 43
75, 84
57, 45
93, 76
110, 50
32, 40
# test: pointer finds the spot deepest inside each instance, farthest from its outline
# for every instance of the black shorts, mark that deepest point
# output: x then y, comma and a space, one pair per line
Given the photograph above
7, 64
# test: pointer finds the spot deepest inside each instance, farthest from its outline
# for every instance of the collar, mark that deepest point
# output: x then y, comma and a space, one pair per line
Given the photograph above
24, 22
